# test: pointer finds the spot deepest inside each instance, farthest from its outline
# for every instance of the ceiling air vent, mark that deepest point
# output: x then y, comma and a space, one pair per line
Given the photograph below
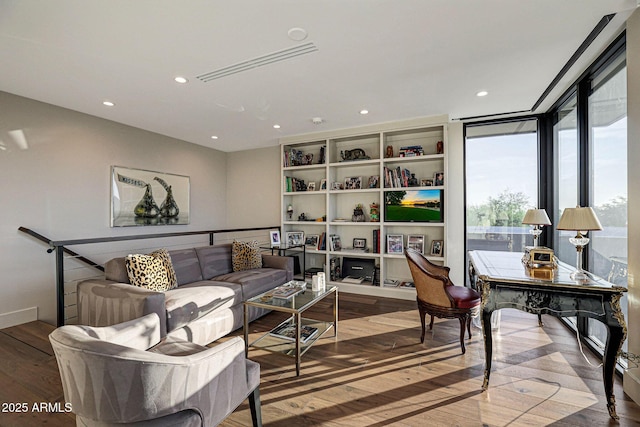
260, 61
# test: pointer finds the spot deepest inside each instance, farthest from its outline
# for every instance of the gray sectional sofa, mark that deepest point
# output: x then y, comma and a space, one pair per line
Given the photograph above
206, 305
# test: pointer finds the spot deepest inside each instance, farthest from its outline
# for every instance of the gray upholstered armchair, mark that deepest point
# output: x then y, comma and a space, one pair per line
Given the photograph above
125, 375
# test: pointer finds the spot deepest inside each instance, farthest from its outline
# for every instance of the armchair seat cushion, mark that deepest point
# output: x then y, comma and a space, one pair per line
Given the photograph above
464, 297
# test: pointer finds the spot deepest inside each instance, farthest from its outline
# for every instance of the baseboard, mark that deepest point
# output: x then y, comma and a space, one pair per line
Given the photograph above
631, 385
18, 317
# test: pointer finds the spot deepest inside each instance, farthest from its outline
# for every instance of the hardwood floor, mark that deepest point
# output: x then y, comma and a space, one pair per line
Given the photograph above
378, 374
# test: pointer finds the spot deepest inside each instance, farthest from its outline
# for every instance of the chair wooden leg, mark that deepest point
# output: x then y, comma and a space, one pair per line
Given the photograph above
469, 325
431, 323
423, 314
463, 322
254, 406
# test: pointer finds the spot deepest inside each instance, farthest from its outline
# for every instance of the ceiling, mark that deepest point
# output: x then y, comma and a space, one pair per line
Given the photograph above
398, 59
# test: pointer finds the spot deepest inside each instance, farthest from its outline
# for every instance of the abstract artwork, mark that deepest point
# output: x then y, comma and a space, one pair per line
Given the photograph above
142, 197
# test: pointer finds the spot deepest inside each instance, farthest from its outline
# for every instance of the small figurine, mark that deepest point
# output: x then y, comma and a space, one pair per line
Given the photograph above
389, 151
302, 217
358, 214
439, 147
374, 212
413, 181
290, 211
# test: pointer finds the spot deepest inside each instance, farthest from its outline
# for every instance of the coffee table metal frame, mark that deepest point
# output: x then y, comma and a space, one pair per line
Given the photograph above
295, 305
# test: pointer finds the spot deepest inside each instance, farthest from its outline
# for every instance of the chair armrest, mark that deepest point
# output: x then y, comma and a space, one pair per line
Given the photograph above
279, 262
106, 303
142, 333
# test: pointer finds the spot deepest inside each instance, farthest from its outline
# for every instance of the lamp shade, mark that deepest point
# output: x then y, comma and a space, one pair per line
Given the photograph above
536, 217
579, 219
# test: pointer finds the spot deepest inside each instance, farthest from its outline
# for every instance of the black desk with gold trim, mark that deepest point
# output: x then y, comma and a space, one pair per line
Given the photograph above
503, 282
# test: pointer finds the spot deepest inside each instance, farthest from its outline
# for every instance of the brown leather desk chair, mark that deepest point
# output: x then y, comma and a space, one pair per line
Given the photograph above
437, 296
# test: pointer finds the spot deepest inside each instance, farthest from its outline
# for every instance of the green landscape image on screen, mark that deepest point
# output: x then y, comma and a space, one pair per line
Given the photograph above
413, 206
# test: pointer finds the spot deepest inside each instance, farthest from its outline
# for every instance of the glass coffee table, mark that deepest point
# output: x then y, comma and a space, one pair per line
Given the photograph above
296, 335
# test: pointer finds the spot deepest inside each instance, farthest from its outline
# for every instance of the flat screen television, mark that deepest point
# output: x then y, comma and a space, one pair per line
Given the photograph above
414, 206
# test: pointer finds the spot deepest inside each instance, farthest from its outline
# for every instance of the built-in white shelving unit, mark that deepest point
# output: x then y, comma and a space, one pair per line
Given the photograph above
341, 165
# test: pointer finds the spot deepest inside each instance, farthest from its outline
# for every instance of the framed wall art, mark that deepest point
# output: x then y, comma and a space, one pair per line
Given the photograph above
141, 197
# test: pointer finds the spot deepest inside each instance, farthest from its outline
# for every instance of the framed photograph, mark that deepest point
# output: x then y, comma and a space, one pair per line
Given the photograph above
311, 186
395, 244
373, 181
334, 243
426, 183
323, 184
274, 238
353, 183
141, 197
438, 178
359, 243
295, 238
437, 247
416, 241
311, 240
336, 186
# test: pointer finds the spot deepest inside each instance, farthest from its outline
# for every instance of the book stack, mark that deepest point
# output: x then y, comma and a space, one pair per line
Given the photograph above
287, 330
396, 178
411, 151
322, 242
376, 241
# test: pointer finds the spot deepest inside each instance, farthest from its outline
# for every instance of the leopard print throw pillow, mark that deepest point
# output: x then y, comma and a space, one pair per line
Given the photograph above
245, 255
154, 271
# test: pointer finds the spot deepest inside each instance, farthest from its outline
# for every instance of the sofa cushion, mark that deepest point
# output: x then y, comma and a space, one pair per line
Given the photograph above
255, 281
148, 271
190, 302
186, 265
214, 260
245, 255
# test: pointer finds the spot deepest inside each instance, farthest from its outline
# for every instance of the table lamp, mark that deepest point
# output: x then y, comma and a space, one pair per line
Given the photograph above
537, 218
581, 220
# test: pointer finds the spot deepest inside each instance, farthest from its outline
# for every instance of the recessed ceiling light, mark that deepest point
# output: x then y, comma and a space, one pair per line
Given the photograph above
181, 79
482, 93
108, 103
214, 137
363, 112
276, 126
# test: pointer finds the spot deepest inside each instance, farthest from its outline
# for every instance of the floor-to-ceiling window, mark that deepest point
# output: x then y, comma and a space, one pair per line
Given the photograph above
607, 109
501, 183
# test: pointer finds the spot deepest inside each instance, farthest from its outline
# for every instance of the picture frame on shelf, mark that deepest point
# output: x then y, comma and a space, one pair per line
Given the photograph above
416, 242
274, 238
438, 178
359, 243
353, 183
334, 243
323, 184
374, 181
311, 240
295, 238
426, 183
336, 186
437, 247
395, 244
311, 186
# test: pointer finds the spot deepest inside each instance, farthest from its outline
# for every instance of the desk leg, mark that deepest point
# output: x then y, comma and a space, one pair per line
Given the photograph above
614, 341
488, 346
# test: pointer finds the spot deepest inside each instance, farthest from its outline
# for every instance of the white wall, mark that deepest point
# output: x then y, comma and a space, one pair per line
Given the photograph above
632, 377
253, 189
455, 205
59, 187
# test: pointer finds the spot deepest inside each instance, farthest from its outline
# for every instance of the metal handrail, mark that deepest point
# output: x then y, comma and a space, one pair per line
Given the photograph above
59, 246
